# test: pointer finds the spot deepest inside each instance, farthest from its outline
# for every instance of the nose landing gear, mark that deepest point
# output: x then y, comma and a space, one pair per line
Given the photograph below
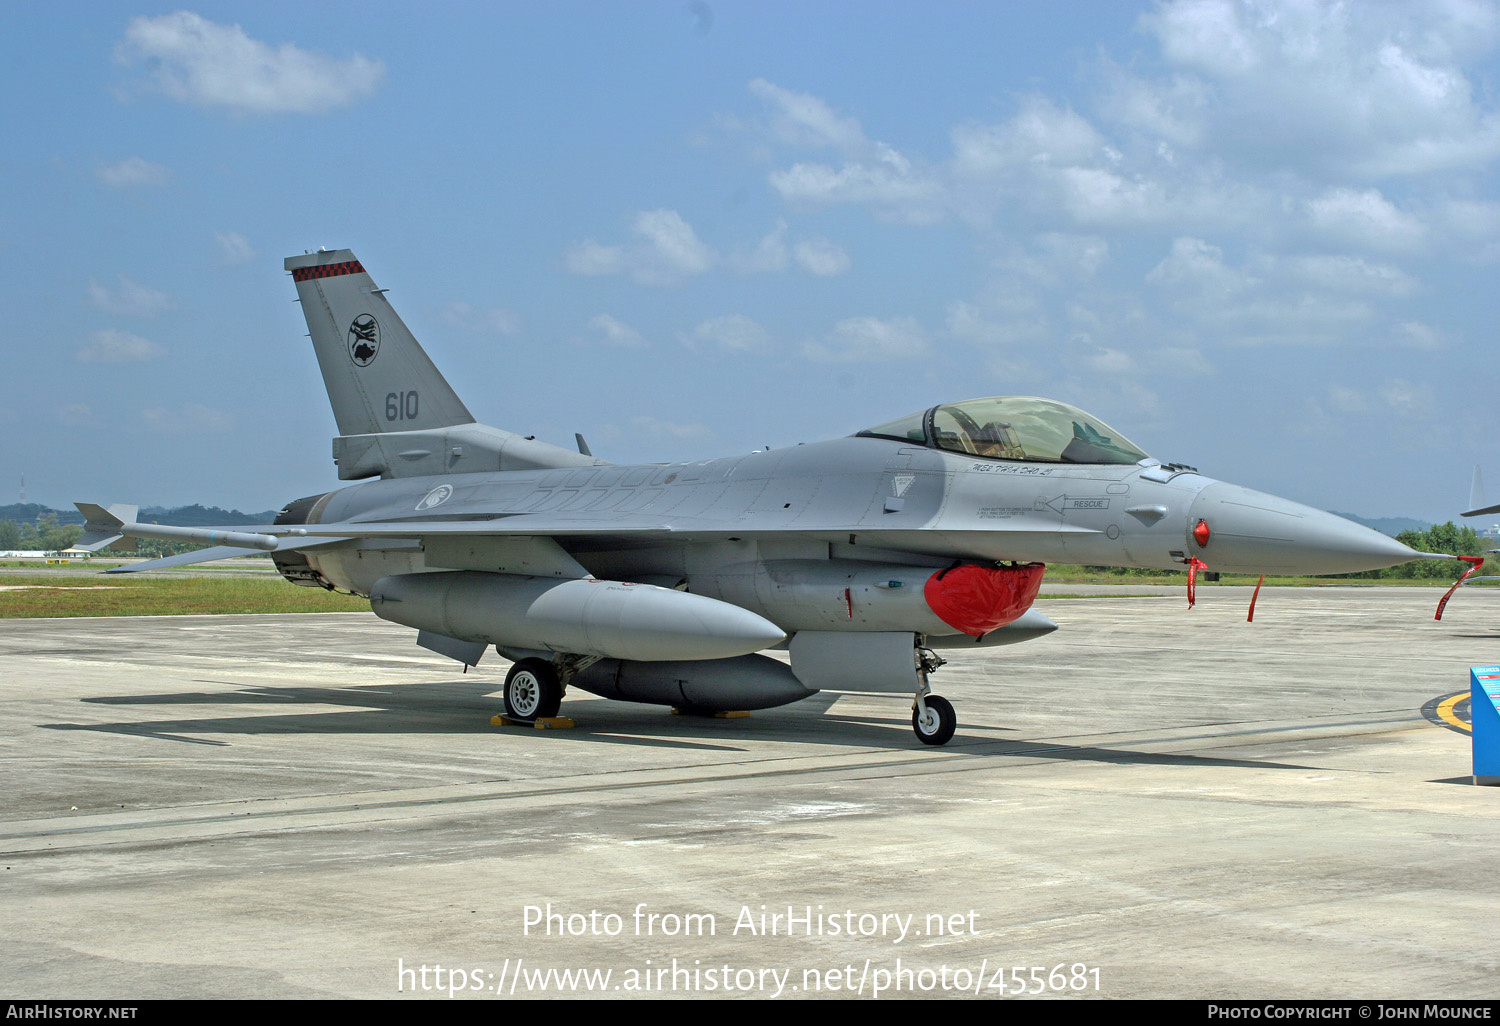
932, 716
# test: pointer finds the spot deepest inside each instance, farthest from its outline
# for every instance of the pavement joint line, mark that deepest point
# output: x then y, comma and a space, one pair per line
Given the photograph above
911, 763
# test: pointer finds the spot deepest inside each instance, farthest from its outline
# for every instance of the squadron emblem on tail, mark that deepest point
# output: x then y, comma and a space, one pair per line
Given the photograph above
364, 340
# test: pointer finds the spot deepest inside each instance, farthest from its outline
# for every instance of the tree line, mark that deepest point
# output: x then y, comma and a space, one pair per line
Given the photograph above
46, 534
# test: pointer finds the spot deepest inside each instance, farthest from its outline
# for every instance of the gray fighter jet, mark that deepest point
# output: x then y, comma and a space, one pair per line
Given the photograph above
864, 557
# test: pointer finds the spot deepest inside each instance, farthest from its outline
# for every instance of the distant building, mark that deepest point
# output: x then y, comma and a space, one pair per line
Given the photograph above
44, 554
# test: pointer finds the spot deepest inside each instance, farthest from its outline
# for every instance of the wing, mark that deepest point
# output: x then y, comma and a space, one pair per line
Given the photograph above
534, 530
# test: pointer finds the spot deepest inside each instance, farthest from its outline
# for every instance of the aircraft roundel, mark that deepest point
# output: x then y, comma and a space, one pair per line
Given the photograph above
436, 497
364, 340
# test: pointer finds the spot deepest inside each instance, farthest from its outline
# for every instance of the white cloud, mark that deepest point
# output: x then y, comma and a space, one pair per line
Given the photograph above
869, 339
673, 241
667, 250
1173, 111
234, 248
733, 333
1370, 89
1343, 399
191, 419
1396, 397
1058, 258
193, 60
1408, 400
1041, 133
111, 346
1197, 267
1348, 274
129, 299
872, 172
1207, 35
132, 171
821, 257
1280, 300
804, 120
989, 327
591, 258
889, 183
614, 332
1364, 217
769, 254
484, 322
1111, 362
1418, 335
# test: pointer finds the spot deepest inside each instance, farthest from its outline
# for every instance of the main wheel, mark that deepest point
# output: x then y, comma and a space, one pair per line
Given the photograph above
532, 690
937, 727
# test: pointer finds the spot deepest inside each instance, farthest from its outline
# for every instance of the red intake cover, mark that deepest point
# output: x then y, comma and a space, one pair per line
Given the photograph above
978, 599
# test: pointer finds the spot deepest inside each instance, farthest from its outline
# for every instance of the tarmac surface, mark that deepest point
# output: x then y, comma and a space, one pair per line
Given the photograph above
1150, 802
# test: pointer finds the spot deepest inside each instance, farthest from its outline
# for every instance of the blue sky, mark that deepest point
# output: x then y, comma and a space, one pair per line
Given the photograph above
1260, 238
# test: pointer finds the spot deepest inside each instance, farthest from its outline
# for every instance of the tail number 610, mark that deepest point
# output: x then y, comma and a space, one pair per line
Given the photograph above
401, 405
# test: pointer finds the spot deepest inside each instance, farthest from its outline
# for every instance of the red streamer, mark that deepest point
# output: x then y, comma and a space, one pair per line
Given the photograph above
1194, 565
1253, 596
1475, 562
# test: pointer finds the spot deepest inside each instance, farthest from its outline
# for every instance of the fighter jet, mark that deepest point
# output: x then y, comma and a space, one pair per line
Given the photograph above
864, 557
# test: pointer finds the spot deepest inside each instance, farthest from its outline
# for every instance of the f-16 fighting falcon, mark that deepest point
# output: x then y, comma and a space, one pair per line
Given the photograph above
864, 557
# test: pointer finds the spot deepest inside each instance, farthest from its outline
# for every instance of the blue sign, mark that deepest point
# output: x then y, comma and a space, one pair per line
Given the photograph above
1484, 715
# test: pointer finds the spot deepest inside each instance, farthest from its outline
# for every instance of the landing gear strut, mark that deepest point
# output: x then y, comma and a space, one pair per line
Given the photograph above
932, 716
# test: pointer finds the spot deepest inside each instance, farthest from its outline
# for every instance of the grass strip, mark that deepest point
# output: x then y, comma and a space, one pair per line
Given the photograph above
56, 595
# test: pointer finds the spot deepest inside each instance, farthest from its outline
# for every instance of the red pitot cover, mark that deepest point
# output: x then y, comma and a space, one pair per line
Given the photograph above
977, 599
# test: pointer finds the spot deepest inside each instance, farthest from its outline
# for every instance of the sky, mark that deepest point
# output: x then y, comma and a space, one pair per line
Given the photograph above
1260, 238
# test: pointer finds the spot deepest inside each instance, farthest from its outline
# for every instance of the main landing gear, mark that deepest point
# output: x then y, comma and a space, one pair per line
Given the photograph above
932, 716
533, 691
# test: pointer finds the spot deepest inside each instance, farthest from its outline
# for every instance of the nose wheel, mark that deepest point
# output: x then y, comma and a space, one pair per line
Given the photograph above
933, 719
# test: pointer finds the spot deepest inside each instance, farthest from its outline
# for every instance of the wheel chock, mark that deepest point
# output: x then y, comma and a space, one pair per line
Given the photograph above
540, 723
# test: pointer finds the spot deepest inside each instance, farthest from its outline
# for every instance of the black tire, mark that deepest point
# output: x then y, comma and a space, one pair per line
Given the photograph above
532, 691
940, 724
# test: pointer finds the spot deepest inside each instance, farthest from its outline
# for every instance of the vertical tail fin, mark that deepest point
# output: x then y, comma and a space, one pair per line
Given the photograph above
397, 417
378, 377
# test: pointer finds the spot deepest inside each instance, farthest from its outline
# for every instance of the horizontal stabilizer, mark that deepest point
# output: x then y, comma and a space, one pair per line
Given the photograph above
1485, 511
102, 527
222, 552
105, 526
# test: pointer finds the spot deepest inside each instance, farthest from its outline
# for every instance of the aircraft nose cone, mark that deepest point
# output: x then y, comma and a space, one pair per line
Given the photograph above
1253, 532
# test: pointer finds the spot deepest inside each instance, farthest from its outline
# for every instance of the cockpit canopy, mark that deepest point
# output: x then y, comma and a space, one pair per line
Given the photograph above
1014, 427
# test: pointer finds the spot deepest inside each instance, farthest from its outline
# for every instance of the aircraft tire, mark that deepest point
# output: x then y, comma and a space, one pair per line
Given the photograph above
532, 691
940, 724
